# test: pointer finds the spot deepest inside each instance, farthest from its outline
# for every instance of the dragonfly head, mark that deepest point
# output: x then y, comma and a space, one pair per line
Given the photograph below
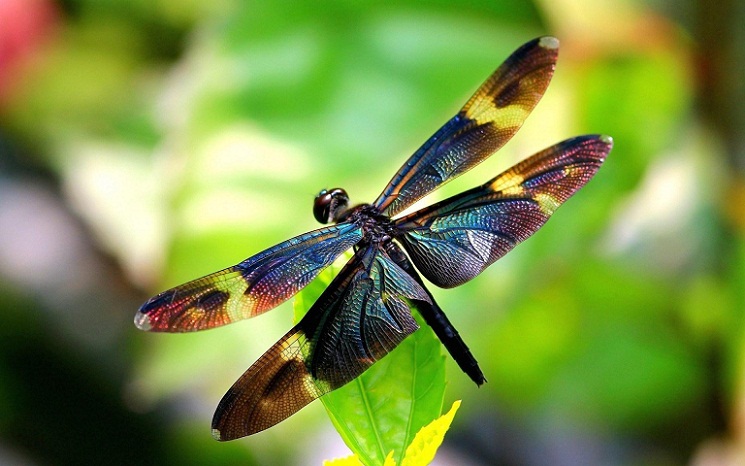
330, 205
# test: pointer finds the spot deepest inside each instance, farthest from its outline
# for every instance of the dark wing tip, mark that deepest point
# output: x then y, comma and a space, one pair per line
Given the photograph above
602, 145
157, 303
548, 42
142, 317
226, 433
595, 146
607, 140
221, 429
218, 436
142, 321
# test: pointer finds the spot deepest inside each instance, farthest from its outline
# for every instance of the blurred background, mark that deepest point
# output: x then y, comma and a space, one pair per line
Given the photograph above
146, 143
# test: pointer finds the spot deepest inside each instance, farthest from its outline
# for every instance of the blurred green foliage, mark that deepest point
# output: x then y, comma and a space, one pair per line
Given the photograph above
172, 139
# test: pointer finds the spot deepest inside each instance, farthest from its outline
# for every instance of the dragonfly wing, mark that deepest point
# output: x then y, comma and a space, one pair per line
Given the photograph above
454, 240
359, 318
250, 288
488, 120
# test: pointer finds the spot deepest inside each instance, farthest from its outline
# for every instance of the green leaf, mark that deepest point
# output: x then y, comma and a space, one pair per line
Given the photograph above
383, 409
422, 449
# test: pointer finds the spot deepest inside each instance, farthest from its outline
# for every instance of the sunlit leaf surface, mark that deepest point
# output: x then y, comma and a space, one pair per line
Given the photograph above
424, 447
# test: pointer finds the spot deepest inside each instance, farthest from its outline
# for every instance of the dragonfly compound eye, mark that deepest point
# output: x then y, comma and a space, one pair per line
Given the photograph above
330, 204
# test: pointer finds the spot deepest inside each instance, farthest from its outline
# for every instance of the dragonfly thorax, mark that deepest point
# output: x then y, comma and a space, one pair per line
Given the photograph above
332, 205
376, 227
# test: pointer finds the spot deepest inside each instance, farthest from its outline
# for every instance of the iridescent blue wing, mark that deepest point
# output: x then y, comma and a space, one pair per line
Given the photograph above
360, 317
487, 121
256, 285
454, 240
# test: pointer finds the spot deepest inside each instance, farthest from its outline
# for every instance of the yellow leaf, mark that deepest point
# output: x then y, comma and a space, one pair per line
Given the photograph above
422, 449
351, 460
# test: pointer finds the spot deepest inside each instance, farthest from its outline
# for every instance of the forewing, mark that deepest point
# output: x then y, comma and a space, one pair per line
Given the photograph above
245, 290
487, 121
361, 316
456, 239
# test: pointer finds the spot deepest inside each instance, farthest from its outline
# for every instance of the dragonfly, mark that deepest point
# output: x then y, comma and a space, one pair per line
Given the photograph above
366, 310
